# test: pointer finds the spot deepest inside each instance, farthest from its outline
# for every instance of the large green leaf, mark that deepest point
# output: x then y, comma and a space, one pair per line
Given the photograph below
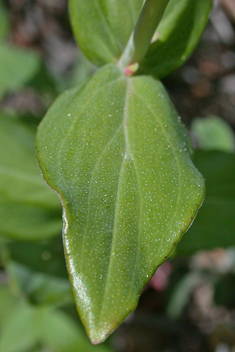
178, 33
103, 27
28, 208
215, 223
117, 154
17, 67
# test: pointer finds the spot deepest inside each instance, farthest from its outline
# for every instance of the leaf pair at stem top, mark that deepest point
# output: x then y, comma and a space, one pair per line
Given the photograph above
119, 157
111, 31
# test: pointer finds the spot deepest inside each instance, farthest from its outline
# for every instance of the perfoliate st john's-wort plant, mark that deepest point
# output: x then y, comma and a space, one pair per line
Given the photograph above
118, 155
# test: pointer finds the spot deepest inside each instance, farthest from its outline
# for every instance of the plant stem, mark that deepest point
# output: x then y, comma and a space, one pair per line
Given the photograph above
142, 35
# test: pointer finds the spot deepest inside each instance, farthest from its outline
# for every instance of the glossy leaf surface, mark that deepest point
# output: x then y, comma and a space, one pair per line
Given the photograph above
118, 155
215, 223
178, 33
17, 67
28, 208
103, 27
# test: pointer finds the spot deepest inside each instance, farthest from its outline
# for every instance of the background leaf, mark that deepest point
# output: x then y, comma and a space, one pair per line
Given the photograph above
4, 22
178, 33
43, 257
20, 330
28, 208
28, 325
182, 292
17, 67
41, 288
213, 133
8, 303
215, 223
103, 27
118, 154
61, 333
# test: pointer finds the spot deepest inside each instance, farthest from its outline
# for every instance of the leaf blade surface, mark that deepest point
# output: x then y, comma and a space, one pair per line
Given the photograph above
118, 155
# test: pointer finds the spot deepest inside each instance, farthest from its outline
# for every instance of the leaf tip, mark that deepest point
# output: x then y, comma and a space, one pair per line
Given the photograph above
99, 335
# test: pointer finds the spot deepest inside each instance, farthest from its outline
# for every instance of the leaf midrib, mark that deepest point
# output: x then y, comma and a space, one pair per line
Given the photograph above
126, 155
127, 150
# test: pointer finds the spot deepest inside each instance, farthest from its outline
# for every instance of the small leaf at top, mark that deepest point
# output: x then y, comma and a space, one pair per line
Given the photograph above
118, 155
177, 36
103, 27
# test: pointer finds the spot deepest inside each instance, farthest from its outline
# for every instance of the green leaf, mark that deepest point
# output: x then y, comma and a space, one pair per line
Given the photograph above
17, 67
61, 333
41, 288
181, 294
20, 330
41, 257
178, 34
28, 208
50, 290
28, 325
8, 303
103, 27
213, 133
215, 223
4, 22
117, 153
